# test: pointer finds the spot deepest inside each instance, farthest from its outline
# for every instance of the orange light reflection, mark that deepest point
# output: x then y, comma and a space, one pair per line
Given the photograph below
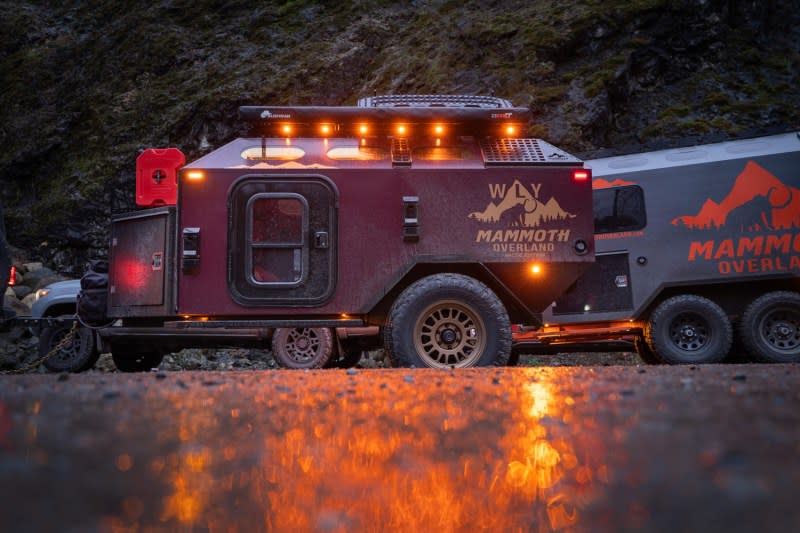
424, 454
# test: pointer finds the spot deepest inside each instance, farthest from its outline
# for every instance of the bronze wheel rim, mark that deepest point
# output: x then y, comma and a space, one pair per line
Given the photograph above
449, 334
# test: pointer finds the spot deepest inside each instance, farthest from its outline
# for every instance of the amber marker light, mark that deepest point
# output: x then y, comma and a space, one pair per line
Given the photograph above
325, 129
438, 129
195, 175
536, 269
363, 129
510, 130
286, 129
402, 129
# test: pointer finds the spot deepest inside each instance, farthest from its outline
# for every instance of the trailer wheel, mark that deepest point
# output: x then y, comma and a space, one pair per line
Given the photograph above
689, 329
770, 327
646, 354
302, 347
448, 320
135, 359
76, 356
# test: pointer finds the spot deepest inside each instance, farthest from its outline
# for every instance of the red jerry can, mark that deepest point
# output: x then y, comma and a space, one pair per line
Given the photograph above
157, 176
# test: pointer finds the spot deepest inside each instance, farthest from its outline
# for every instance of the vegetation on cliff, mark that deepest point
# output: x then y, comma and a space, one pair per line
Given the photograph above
86, 85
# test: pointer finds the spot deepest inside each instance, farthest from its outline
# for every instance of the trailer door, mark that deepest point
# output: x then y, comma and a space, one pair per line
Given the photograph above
282, 235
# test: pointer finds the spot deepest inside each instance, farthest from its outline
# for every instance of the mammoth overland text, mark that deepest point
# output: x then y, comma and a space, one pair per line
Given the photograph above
520, 213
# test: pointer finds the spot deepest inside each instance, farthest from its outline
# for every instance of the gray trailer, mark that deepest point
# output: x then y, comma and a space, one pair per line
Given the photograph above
697, 255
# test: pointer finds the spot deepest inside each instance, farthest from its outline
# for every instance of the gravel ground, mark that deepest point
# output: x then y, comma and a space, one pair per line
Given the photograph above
242, 359
20, 347
691, 448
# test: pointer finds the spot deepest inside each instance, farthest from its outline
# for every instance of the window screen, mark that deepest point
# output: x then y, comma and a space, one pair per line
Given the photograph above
277, 224
619, 209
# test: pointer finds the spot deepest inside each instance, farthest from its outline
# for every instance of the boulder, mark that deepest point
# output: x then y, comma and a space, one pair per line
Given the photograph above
32, 267
37, 279
21, 291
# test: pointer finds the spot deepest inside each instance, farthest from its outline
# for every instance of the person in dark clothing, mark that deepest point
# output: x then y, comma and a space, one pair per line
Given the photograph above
5, 270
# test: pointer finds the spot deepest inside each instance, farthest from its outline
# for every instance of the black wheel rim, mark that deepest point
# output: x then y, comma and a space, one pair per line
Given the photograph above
68, 353
690, 332
780, 329
303, 345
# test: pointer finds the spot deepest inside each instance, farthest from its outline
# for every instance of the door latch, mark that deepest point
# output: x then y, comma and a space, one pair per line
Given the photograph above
321, 239
190, 260
411, 218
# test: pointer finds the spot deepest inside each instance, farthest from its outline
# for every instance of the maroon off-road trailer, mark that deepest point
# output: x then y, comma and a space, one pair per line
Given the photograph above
697, 256
427, 223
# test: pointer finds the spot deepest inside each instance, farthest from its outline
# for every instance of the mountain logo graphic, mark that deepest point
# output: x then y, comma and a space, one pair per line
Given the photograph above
517, 207
758, 201
600, 183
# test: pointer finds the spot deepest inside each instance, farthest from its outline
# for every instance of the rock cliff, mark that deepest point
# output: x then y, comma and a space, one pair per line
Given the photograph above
86, 85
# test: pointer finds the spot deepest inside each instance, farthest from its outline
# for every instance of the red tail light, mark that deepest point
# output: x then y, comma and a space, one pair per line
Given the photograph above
12, 277
581, 175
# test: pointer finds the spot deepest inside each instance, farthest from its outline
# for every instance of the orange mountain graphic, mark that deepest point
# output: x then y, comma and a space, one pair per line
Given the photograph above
519, 208
779, 206
600, 183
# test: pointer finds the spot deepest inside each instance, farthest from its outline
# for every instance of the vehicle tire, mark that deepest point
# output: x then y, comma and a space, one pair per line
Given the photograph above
135, 359
76, 356
302, 347
646, 354
689, 329
770, 327
448, 320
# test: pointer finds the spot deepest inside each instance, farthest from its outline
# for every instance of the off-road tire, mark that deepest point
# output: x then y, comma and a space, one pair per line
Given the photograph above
77, 356
689, 329
302, 347
448, 320
770, 327
133, 359
646, 354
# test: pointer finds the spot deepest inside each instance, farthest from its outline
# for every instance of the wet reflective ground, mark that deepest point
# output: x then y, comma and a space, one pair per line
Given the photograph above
713, 448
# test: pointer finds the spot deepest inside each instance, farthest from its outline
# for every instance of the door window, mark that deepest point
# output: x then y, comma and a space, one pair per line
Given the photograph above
277, 227
619, 209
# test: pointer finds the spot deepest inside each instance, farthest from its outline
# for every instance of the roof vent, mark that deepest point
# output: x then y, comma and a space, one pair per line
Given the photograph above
523, 152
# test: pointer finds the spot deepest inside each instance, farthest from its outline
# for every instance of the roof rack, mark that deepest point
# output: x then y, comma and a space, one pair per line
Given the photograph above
464, 115
434, 100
